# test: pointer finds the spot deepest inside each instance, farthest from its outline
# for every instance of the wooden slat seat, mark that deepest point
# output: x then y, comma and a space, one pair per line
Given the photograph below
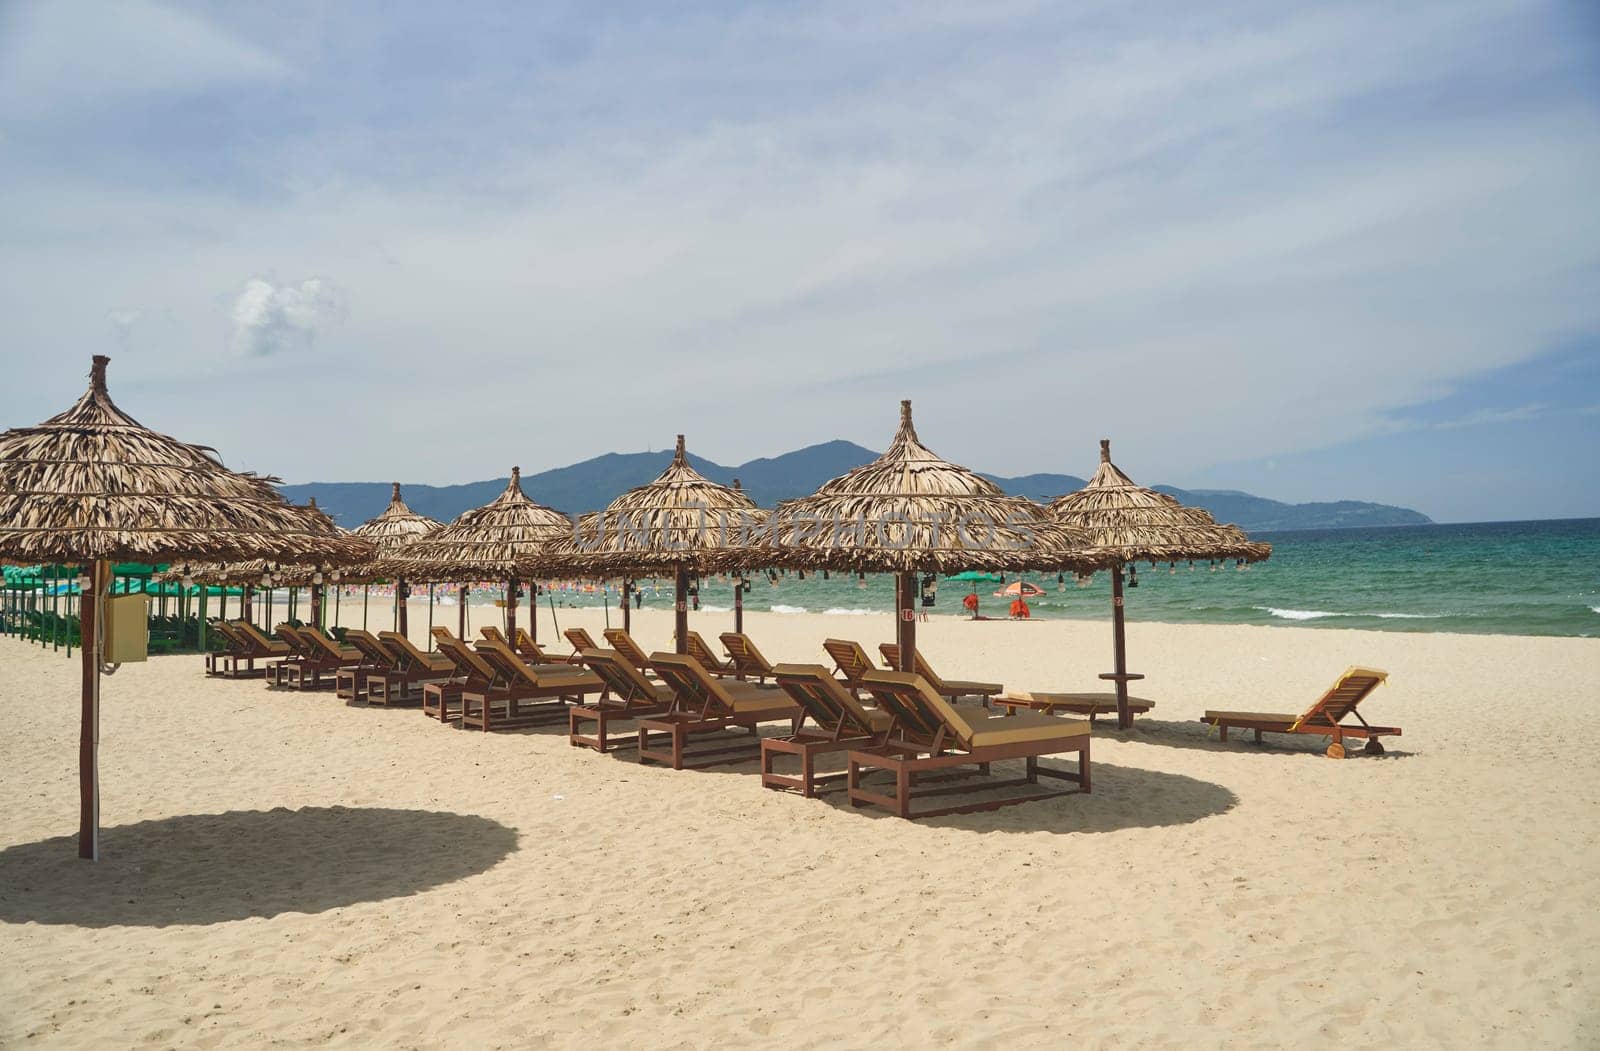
1325, 718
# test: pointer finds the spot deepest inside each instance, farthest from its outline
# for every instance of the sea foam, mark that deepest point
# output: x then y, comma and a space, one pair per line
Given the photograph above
780, 608
842, 611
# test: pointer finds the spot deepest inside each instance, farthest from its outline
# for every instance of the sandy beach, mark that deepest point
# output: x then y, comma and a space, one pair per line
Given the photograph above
284, 869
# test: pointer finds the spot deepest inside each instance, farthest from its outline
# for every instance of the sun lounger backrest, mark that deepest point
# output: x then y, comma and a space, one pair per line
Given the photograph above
529, 649
623, 678
406, 649
321, 645
260, 639
851, 660
470, 664
492, 633
919, 664
694, 686
819, 694
371, 647
745, 656
1342, 698
232, 637
623, 643
905, 696
581, 639
697, 648
507, 665
298, 642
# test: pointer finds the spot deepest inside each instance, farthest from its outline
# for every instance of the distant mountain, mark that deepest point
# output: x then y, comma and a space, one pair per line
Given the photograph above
590, 485
1258, 514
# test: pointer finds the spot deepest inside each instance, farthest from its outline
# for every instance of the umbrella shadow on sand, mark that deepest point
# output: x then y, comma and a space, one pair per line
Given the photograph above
215, 868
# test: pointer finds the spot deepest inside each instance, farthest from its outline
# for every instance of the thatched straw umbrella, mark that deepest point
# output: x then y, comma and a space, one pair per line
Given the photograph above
502, 540
396, 529
93, 486
1128, 523
269, 574
682, 523
910, 512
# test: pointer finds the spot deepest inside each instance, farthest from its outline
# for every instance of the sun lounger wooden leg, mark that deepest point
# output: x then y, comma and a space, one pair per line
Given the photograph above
1258, 737
1374, 746
902, 790
1222, 732
853, 782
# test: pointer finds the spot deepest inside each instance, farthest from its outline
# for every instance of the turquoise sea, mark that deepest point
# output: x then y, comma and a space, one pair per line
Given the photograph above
1516, 578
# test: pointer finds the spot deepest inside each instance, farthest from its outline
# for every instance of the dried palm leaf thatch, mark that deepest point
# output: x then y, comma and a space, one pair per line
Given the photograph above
681, 519
253, 571
1129, 523
397, 527
502, 540
909, 510
92, 483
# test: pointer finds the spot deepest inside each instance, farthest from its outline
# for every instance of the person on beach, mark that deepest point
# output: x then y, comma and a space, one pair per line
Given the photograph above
1019, 609
971, 604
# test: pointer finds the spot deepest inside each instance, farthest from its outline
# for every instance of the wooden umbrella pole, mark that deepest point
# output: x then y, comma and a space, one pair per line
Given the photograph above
461, 615
1119, 642
533, 612
511, 609
89, 732
738, 603
316, 606
905, 590
627, 604
430, 611
680, 619
400, 607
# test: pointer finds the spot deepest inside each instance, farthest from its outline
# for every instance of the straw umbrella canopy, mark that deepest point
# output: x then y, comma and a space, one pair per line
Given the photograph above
1129, 523
681, 523
910, 512
397, 528
269, 573
502, 540
93, 486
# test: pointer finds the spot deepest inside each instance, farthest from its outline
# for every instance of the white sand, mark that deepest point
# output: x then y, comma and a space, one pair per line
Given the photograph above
282, 868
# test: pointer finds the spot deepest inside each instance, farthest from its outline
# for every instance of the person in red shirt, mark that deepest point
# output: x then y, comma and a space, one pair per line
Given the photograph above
1019, 609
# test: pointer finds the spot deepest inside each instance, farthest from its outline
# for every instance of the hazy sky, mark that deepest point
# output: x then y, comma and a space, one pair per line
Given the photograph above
1313, 251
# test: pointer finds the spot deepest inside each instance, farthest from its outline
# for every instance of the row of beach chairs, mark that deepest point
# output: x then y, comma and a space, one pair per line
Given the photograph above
698, 709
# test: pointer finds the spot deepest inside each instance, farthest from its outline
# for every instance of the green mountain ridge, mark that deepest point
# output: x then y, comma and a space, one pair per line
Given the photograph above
593, 483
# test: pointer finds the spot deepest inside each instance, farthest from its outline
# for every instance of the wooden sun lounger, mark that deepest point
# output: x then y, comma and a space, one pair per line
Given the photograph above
377, 662
748, 662
631, 696
1325, 718
581, 640
528, 650
930, 733
504, 707
696, 647
300, 650
704, 704
631, 651
851, 661
413, 670
841, 725
953, 689
320, 656
441, 700
255, 646
1093, 705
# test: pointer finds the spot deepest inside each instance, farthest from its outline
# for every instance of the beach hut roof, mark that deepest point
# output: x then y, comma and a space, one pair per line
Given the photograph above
911, 510
1130, 523
397, 527
251, 570
92, 483
501, 540
682, 518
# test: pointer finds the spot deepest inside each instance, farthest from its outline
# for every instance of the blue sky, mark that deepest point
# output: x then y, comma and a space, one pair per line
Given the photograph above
1313, 251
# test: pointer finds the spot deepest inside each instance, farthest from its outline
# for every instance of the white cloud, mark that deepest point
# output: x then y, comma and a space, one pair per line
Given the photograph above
270, 318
